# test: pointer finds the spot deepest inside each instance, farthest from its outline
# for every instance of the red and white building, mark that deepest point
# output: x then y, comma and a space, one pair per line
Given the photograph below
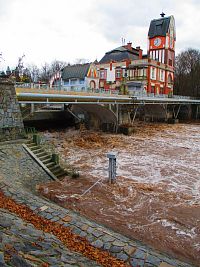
152, 73
113, 66
155, 73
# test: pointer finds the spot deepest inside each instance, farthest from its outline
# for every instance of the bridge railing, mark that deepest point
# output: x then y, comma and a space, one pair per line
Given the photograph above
65, 88
88, 90
32, 85
145, 94
42, 86
183, 97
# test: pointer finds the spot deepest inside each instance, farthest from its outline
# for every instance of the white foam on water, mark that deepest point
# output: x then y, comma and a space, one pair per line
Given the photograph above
184, 232
170, 157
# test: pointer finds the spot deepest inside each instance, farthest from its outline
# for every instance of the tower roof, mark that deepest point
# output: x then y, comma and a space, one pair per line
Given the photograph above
159, 27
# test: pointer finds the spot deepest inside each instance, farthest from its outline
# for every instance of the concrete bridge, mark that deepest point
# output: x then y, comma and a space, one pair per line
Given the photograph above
36, 93
107, 105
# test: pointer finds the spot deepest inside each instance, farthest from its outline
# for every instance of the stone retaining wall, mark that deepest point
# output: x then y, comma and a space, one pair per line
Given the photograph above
18, 168
11, 124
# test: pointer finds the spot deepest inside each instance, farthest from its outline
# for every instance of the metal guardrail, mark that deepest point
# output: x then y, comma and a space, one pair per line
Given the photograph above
145, 94
65, 88
99, 91
183, 97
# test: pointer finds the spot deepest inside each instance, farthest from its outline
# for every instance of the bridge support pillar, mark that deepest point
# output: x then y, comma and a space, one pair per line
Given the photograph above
32, 108
117, 114
124, 115
133, 114
175, 113
198, 112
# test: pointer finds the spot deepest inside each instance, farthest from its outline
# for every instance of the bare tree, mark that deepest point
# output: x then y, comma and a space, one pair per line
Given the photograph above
45, 73
57, 65
34, 72
48, 70
187, 78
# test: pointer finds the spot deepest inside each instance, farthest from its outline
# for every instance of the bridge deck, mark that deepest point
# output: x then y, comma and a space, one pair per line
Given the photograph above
41, 95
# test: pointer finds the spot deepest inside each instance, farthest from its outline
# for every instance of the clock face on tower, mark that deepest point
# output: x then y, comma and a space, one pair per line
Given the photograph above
157, 42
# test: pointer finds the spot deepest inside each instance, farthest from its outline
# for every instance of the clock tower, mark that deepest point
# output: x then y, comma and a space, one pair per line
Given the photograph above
162, 37
161, 49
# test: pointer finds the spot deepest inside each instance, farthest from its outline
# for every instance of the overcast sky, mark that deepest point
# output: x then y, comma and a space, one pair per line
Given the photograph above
66, 30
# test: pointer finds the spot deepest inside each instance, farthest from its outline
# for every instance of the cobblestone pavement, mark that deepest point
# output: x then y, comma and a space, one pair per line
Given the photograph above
133, 252
21, 245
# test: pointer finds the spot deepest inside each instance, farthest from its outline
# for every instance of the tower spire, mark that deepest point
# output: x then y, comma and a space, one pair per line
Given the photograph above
162, 14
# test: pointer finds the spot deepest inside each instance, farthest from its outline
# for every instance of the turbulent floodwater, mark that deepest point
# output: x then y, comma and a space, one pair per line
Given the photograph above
157, 195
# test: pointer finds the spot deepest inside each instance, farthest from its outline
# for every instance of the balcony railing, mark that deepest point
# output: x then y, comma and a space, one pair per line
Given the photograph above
137, 78
139, 62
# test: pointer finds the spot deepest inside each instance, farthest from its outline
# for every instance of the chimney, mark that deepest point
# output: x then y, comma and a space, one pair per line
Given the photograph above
140, 51
129, 46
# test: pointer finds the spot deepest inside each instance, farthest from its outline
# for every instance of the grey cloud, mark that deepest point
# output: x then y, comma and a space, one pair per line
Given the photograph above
114, 18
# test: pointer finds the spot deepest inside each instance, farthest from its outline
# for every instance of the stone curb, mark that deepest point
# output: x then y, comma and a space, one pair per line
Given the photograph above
132, 252
22, 245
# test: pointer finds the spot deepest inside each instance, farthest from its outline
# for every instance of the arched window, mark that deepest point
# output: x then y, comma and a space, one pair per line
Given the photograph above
92, 85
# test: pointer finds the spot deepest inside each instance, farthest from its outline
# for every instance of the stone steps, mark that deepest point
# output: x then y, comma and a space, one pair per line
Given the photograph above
40, 153
46, 159
49, 164
54, 168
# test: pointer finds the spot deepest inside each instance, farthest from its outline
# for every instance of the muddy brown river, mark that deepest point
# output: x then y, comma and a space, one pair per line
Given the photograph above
156, 198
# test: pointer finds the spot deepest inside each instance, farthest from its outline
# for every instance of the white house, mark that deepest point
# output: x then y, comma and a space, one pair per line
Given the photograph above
79, 77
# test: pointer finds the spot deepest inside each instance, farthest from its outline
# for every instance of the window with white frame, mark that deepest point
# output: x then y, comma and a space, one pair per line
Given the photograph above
102, 74
81, 81
162, 75
163, 56
73, 81
160, 55
66, 82
154, 54
118, 73
157, 55
153, 73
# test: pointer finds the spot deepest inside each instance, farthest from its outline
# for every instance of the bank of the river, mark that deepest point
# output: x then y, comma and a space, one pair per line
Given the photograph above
157, 196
